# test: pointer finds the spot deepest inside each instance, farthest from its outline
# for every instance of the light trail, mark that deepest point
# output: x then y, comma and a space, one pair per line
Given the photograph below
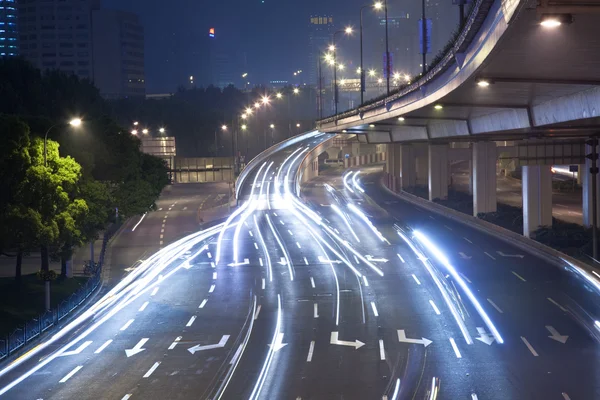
345, 180
356, 183
139, 222
455, 275
281, 246
337, 283
265, 250
362, 216
341, 214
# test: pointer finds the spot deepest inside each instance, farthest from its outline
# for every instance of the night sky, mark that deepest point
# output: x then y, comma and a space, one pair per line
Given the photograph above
273, 33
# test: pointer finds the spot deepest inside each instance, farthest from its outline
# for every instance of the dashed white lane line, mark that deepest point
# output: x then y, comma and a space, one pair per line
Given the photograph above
154, 291
416, 279
305, 261
160, 209
172, 346
374, 307
447, 227
275, 214
400, 257
356, 259
489, 255
212, 289
162, 231
151, 370
214, 275
143, 307
208, 254
529, 346
431, 216
467, 240
237, 354
126, 397
255, 246
464, 276
556, 304
495, 306
437, 310
263, 283
105, 345
282, 223
260, 261
518, 276
212, 264
381, 350
365, 280
565, 396
203, 303
161, 236
298, 244
191, 321
315, 310
311, 350
312, 282
160, 243
257, 311
250, 233
127, 324
70, 374
455, 348
290, 232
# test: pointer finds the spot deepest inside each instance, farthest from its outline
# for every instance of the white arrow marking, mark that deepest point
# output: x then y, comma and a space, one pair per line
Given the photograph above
246, 262
327, 260
151, 370
77, 350
221, 343
371, 258
136, 349
403, 339
464, 256
279, 342
357, 344
282, 261
484, 337
510, 255
316, 311
555, 335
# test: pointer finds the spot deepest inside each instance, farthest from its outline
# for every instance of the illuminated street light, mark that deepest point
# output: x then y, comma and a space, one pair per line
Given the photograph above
406, 77
257, 105
400, 118
372, 72
135, 123
396, 76
249, 111
296, 90
379, 80
245, 74
328, 57
358, 70
483, 83
341, 67
265, 100
371, 126
244, 116
224, 127
331, 47
244, 127
145, 131
279, 95
438, 106
134, 132
162, 130
297, 125
378, 5
342, 82
75, 122
551, 22
348, 30
272, 126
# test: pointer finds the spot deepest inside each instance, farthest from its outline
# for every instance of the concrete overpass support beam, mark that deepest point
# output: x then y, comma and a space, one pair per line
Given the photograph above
537, 197
483, 174
407, 167
438, 171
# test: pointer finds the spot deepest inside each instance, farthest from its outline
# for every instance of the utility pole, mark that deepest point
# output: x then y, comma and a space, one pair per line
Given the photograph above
424, 34
387, 49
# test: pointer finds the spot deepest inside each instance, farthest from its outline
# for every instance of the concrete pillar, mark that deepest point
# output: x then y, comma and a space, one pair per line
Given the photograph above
580, 172
586, 195
422, 170
471, 177
483, 175
438, 171
537, 197
407, 167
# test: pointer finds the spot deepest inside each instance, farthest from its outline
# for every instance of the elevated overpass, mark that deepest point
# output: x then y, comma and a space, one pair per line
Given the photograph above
521, 73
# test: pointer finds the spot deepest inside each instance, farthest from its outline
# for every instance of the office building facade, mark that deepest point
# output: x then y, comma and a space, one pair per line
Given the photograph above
321, 29
9, 35
118, 54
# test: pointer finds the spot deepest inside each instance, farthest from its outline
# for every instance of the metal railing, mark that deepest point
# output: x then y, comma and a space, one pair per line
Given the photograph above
49, 319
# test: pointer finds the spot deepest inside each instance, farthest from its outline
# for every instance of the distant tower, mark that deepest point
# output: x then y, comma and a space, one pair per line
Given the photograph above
222, 61
319, 37
9, 40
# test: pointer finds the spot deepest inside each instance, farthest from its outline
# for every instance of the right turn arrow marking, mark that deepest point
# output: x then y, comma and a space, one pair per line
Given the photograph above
403, 339
357, 344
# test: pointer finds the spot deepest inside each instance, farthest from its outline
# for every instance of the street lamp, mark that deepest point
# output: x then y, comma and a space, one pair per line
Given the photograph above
145, 131
257, 105
244, 127
249, 111
244, 116
278, 95
162, 130
134, 132
272, 126
378, 6
265, 100
297, 125
296, 90
347, 31
135, 123
75, 123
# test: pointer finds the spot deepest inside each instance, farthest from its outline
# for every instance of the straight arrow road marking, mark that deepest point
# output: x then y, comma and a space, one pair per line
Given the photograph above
554, 335
279, 342
137, 348
77, 350
509, 255
151, 370
105, 345
484, 337
357, 344
311, 350
221, 343
529, 346
403, 339
70, 374
282, 261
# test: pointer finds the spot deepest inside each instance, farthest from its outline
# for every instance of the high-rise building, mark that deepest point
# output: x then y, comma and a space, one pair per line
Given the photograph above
118, 54
57, 34
9, 35
223, 60
319, 37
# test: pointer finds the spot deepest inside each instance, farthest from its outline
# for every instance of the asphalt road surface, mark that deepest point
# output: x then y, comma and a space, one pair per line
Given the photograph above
344, 294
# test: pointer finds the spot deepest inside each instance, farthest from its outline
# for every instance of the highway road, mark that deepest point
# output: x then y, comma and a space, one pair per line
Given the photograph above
344, 293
